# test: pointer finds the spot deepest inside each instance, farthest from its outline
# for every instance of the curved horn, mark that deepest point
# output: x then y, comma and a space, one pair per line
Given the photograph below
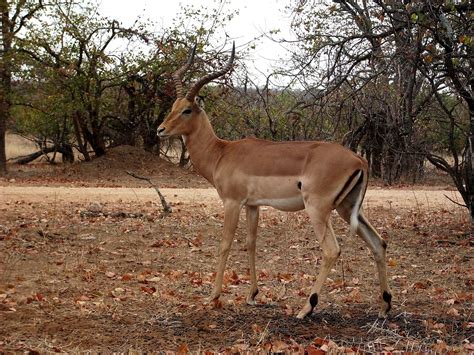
179, 73
209, 77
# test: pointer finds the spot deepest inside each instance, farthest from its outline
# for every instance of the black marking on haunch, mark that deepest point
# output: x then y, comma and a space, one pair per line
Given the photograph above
255, 293
387, 297
299, 185
348, 182
384, 244
313, 300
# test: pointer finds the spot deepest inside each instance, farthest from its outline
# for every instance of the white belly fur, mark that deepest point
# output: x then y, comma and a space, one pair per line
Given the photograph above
294, 203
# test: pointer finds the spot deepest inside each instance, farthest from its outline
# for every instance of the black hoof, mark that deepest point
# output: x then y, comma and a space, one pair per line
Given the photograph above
313, 300
387, 297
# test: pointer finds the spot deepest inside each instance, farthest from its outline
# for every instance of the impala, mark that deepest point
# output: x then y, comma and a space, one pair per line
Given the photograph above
289, 176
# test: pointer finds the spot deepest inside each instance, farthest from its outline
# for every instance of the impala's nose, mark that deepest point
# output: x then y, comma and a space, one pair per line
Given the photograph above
160, 131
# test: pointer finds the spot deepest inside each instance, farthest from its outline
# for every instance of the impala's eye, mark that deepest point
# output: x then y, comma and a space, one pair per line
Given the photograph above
188, 111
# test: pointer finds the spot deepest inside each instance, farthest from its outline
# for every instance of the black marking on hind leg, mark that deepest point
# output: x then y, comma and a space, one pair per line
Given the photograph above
255, 293
387, 297
313, 300
299, 185
348, 182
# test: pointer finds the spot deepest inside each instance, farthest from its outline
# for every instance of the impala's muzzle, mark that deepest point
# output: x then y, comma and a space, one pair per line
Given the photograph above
161, 132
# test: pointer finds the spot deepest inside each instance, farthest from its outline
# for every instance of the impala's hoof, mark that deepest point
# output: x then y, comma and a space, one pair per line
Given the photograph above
303, 313
211, 299
251, 298
309, 306
386, 304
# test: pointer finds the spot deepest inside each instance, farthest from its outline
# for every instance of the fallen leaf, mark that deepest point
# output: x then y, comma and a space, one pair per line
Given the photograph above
183, 349
419, 285
312, 350
118, 292
279, 346
153, 279
319, 341
256, 328
453, 312
149, 290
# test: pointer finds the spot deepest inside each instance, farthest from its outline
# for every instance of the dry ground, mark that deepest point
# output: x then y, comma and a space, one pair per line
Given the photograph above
101, 269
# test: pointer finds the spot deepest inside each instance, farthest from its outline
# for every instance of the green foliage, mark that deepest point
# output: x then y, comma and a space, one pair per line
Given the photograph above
86, 72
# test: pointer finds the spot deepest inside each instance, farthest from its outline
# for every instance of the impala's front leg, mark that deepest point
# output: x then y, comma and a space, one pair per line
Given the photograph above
252, 224
231, 218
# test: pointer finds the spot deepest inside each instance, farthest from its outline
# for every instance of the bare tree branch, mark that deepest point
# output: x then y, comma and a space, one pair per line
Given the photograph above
166, 207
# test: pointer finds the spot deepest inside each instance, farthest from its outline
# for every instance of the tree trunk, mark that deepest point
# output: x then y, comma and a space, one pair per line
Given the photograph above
33, 156
5, 84
77, 131
4, 114
98, 145
68, 154
64, 149
470, 164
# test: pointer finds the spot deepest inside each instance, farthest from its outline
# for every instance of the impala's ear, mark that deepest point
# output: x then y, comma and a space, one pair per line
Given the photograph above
199, 100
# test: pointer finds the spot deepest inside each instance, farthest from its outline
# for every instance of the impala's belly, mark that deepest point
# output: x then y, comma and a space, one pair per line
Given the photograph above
294, 203
281, 193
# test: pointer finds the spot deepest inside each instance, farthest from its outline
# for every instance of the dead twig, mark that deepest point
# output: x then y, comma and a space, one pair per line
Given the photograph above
455, 202
166, 207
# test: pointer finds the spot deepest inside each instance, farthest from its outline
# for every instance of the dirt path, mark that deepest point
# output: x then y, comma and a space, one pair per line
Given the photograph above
406, 198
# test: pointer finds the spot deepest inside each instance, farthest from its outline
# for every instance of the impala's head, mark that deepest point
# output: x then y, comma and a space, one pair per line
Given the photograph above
186, 110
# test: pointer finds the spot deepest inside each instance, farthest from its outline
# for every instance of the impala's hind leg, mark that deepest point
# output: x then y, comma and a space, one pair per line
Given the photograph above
252, 224
330, 249
378, 248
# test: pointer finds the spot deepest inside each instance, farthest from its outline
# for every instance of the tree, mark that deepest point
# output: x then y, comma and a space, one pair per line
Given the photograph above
15, 15
115, 80
447, 63
70, 46
392, 62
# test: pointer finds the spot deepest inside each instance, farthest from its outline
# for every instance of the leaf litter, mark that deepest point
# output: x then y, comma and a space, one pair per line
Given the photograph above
134, 281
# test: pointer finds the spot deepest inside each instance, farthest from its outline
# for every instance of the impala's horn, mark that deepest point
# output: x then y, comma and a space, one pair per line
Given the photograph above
178, 74
209, 77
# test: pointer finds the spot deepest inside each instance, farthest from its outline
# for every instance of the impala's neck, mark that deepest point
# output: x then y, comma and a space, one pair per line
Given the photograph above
204, 147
